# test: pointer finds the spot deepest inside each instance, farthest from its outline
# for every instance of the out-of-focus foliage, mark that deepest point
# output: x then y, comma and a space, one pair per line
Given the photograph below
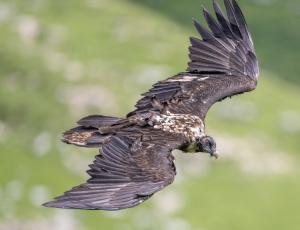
61, 60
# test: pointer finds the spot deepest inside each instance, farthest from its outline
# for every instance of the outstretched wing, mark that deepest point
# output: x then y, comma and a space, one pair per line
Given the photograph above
222, 64
134, 165
227, 48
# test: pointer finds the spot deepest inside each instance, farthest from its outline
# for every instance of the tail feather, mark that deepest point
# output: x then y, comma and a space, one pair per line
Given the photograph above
89, 132
84, 137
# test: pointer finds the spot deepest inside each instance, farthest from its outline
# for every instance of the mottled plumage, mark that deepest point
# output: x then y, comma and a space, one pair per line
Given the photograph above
135, 159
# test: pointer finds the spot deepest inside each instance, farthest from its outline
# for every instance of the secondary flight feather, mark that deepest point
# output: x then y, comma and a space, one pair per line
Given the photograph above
135, 159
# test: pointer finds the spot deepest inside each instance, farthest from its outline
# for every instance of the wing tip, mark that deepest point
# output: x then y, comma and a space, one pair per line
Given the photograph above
52, 204
205, 12
222, 32
66, 205
78, 205
216, 6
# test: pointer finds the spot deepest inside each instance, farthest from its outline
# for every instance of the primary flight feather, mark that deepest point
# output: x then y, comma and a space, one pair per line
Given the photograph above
135, 159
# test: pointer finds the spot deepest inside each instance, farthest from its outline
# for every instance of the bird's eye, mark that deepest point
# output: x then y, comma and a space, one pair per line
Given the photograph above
210, 144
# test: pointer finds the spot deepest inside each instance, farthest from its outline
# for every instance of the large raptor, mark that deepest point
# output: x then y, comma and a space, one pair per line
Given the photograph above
135, 159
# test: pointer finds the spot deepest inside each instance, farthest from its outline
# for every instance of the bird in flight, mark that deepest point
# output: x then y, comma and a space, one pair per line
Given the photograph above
135, 159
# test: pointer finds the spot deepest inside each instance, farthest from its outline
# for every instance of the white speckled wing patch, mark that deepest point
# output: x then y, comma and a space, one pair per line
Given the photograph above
189, 125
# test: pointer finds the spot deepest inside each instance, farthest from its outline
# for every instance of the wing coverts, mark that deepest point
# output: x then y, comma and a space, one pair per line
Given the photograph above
125, 174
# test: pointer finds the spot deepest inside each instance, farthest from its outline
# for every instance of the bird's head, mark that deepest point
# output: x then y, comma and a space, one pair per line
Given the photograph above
207, 144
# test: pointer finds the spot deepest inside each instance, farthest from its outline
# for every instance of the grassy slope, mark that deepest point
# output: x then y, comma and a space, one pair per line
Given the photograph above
118, 43
273, 24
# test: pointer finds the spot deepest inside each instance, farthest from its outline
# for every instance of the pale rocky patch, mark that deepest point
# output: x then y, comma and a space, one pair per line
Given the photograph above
55, 61
176, 224
144, 218
82, 99
27, 28
76, 163
169, 201
38, 195
190, 164
241, 110
61, 220
6, 11
150, 74
255, 155
41, 144
74, 71
14, 190
289, 122
11, 193
56, 35
120, 214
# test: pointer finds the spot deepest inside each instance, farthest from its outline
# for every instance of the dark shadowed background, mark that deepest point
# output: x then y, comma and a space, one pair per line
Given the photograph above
61, 60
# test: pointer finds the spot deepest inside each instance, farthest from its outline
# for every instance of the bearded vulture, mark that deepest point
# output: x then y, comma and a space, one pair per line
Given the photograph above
135, 159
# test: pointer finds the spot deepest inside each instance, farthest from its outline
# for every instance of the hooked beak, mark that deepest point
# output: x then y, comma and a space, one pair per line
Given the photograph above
215, 154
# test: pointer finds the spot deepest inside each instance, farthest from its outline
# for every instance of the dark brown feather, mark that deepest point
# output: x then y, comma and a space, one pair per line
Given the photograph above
223, 64
127, 172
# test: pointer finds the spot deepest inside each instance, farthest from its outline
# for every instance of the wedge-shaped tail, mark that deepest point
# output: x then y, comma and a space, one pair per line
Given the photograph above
89, 133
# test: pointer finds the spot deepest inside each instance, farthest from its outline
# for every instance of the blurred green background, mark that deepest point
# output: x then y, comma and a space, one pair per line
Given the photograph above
61, 60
